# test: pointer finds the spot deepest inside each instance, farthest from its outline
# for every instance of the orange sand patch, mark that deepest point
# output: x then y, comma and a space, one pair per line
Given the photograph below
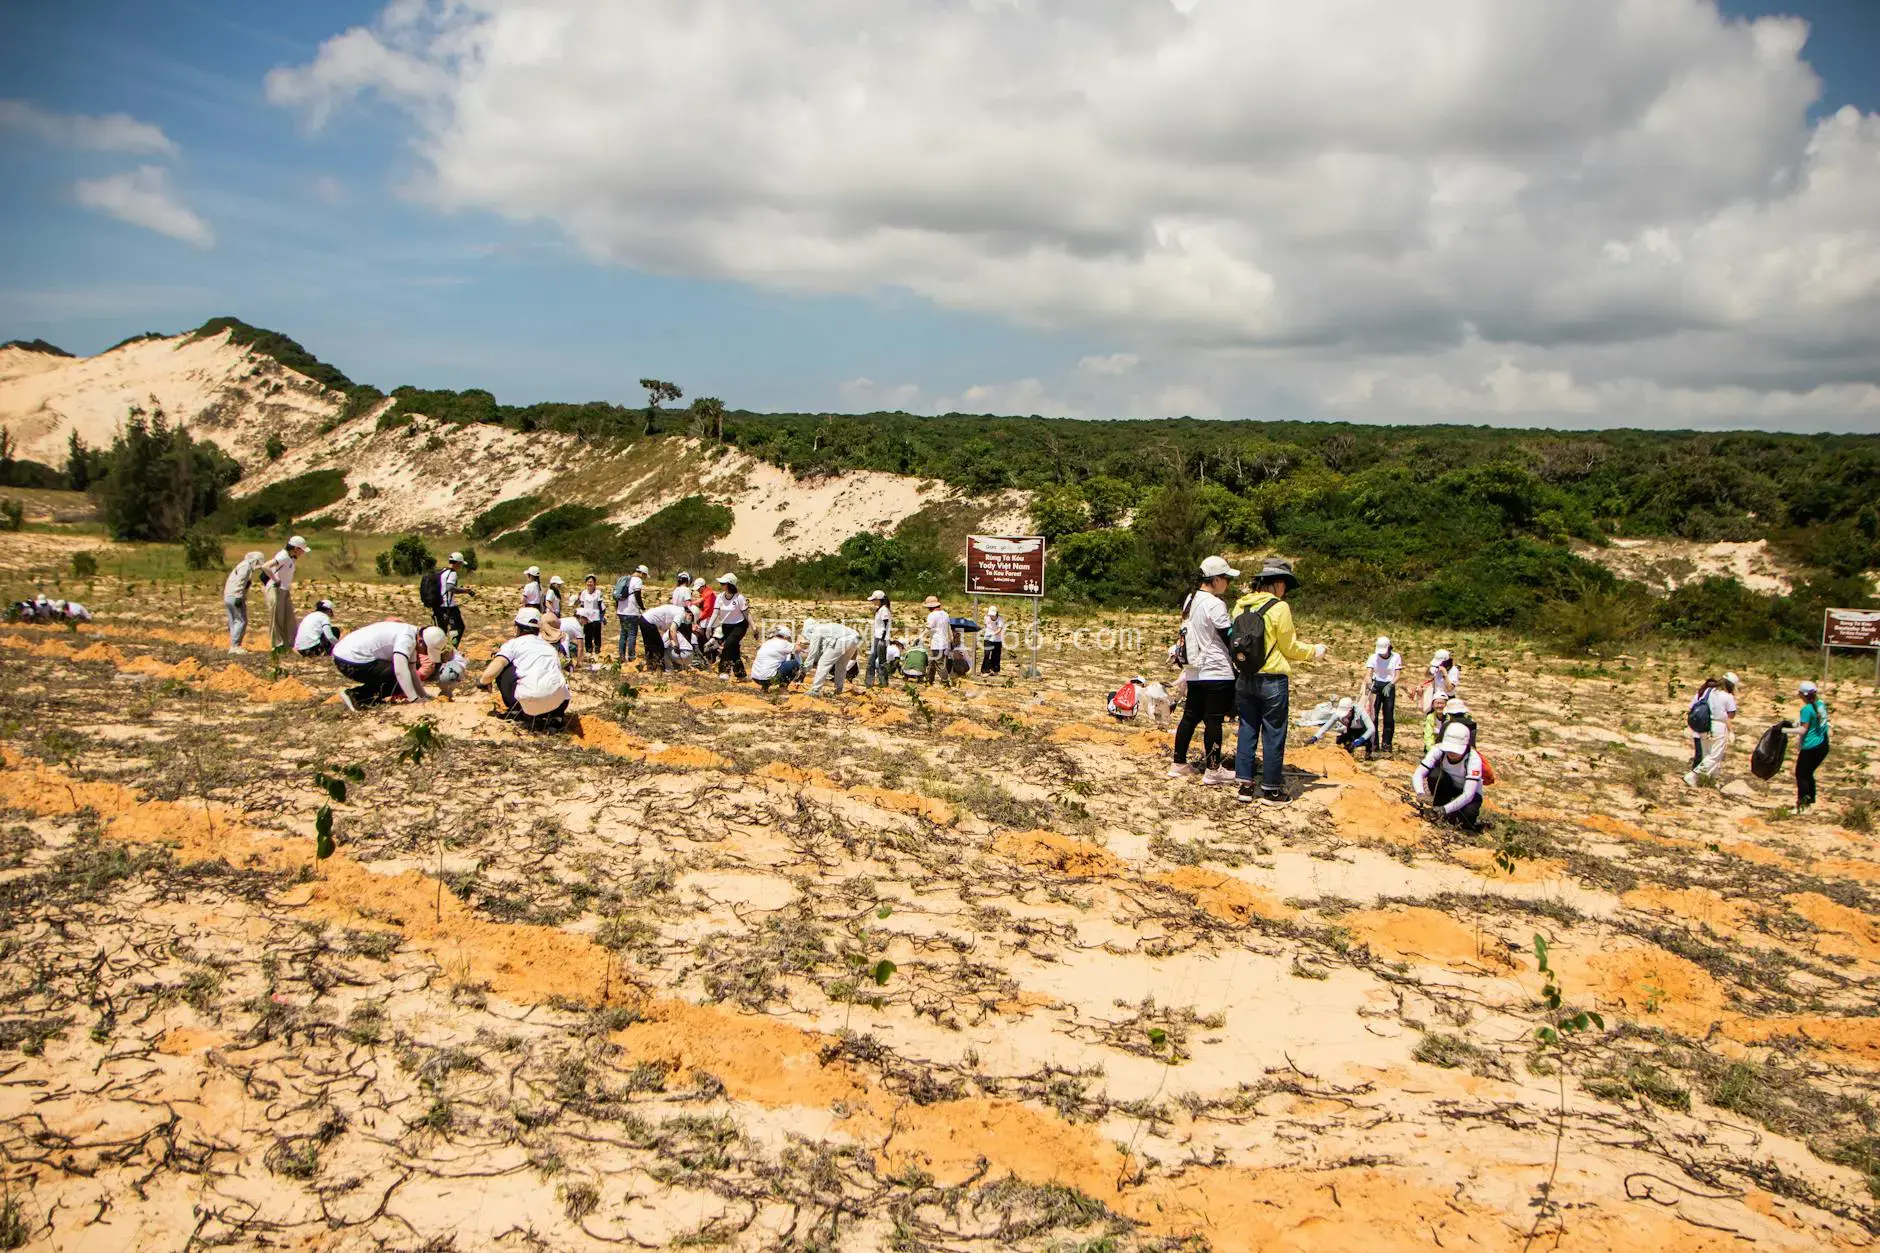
937, 812
183, 1041
607, 736
527, 962
1428, 935
886, 718
783, 772
1647, 985
1223, 896
1081, 733
1854, 1040
1063, 853
1365, 815
962, 729
53, 648
282, 689
1151, 743
101, 652
187, 668
1537, 870
741, 702
1845, 932
1608, 825
1329, 763
1847, 868
1704, 906
1755, 853
687, 757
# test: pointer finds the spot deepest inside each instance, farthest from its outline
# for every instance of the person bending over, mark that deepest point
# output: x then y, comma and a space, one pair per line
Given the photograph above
1450, 778
526, 672
382, 660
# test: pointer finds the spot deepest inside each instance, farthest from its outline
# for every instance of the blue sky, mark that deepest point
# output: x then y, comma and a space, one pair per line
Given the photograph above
331, 231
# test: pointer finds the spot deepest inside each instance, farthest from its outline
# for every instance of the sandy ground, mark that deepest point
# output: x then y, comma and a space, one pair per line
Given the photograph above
889, 971
1667, 565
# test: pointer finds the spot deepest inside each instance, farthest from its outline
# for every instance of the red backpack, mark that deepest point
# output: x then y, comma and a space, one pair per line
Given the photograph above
1123, 703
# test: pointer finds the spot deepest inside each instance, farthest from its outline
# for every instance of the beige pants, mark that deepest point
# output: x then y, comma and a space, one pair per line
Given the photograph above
281, 620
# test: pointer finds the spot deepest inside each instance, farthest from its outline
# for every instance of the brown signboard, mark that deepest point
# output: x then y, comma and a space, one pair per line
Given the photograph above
1005, 565
1851, 628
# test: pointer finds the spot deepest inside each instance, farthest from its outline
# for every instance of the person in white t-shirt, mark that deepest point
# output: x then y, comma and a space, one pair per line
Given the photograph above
449, 615
658, 629
317, 634
383, 660
939, 641
880, 626
1720, 696
992, 640
731, 618
235, 598
590, 609
532, 593
776, 660
682, 589
1444, 681
1381, 673
551, 599
279, 591
1209, 674
1449, 779
526, 672
629, 605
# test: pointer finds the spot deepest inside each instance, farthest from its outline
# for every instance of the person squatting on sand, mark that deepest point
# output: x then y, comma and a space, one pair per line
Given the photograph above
1208, 673
1709, 719
629, 606
730, 618
526, 673
1353, 726
1456, 770
1811, 724
317, 634
880, 626
1263, 648
1381, 672
383, 659
235, 598
831, 647
279, 592
776, 660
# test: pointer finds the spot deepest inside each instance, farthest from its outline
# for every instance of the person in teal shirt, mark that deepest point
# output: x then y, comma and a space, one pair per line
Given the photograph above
1812, 725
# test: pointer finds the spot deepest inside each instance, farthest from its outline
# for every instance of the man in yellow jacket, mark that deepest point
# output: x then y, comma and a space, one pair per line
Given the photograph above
1262, 685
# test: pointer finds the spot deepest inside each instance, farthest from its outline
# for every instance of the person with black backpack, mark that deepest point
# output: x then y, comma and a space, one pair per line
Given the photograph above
1263, 647
1709, 719
439, 591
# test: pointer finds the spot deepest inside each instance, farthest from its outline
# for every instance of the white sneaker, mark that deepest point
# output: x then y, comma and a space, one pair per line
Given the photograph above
1182, 770
1690, 780
236, 649
345, 698
1220, 776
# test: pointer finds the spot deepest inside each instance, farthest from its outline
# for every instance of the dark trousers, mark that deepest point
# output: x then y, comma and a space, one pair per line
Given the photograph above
1697, 751
1207, 706
731, 653
1384, 712
1263, 704
591, 637
449, 619
1353, 738
506, 688
877, 665
995, 654
655, 647
376, 680
1444, 789
1807, 761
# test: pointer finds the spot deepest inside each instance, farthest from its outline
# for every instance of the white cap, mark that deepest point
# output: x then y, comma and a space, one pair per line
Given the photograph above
1442, 655
1456, 738
297, 542
554, 580
529, 616
1383, 645
1139, 681
434, 640
782, 633
1730, 678
1344, 704
641, 570
697, 583
877, 595
1217, 567
1808, 687
324, 606
728, 578
456, 559
532, 572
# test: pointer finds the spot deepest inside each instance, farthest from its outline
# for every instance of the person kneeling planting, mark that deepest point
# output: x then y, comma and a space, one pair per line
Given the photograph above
383, 660
1450, 778
526, 672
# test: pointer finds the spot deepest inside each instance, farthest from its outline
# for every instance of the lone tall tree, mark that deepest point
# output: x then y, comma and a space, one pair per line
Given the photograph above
658, 392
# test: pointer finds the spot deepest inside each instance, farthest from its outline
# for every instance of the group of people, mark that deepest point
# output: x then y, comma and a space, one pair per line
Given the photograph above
43, 609
1240, 661
1711, 719
277, 586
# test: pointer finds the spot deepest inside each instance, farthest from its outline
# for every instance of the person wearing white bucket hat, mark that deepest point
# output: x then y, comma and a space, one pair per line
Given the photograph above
1710, 719
1449, 778
278, 591
1209, 674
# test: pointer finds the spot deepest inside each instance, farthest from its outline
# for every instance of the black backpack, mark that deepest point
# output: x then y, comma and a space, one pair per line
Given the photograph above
1699, 717
1247, 643
431, 590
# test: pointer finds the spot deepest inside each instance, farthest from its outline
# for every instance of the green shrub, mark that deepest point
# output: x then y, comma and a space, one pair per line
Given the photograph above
276, 447
392, 420
278, 504
202, 550
279, 347
12, 514
563, 518
469, 557
408, 556
85, 565
160, 481
505, 515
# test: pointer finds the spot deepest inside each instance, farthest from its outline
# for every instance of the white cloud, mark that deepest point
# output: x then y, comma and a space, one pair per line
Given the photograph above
864, 395
144, 197
328, 190
114, 132
1614, 195
1114, 363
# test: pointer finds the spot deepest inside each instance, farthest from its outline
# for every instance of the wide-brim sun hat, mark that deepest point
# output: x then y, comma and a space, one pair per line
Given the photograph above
529, 617
932, 602
1456, 739
1277, 568
1455, 705
1217, 568
551, 628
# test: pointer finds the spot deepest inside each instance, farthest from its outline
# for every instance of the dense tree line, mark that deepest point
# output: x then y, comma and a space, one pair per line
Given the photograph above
158, 482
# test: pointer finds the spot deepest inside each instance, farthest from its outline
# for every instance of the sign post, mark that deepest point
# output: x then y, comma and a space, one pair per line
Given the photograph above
1854, 629
1008, 565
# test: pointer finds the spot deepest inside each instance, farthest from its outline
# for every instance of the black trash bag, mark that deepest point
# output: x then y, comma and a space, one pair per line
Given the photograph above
1766, 761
